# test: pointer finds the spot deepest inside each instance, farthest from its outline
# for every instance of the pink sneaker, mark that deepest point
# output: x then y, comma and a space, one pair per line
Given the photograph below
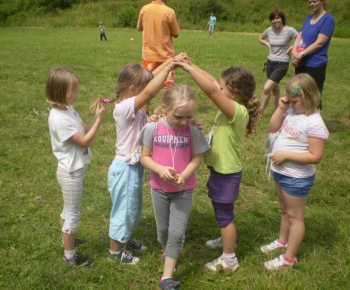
279, 263
275, 245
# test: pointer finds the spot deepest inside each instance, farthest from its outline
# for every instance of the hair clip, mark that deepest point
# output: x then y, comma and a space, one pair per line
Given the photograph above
296, 91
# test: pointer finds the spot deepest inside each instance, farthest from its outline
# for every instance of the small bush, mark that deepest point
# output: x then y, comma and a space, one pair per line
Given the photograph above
127, 17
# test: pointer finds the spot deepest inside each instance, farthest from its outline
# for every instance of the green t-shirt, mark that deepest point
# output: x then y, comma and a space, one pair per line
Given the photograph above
227, 137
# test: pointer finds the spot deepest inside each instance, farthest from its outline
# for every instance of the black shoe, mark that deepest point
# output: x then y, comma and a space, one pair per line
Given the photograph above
169, 284
79, 260
136, 245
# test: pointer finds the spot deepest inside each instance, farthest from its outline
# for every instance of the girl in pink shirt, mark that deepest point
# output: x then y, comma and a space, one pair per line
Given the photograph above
173, 149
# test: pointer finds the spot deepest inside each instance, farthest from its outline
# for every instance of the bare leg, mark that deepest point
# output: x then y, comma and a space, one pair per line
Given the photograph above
285, 225
169, 267
115, 246
68, 239
295, 210
268, 87
276, 94
229, 236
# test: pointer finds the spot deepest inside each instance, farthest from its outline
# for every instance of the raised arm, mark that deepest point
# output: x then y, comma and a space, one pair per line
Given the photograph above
279, 115
155, 85
211, 88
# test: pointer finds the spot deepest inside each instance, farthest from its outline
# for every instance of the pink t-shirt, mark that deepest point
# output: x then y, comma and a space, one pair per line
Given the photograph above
128, 126
171, 145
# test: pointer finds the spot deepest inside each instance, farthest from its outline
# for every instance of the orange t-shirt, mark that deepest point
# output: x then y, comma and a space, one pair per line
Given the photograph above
159, 24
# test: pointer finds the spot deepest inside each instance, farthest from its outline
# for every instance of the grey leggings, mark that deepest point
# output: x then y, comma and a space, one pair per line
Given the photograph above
172, 211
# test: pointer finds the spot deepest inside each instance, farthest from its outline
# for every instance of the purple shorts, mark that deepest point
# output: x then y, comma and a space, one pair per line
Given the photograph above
223, 190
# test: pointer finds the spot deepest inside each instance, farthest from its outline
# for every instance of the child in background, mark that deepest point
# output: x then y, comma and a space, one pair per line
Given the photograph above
70, 140
173, 149
135, 87
239, 111
299, 145
102, 31
212, 22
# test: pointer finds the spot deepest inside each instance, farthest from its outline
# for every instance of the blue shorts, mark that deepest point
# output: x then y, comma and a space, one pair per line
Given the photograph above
125, 187
294, 186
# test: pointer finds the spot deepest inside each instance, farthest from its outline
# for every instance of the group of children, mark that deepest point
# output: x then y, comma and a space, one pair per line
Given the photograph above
172, 148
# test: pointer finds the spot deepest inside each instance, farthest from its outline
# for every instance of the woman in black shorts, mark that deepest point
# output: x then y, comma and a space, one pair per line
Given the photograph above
279, 36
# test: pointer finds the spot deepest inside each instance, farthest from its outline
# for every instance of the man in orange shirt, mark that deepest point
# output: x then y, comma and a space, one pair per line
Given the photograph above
159, 25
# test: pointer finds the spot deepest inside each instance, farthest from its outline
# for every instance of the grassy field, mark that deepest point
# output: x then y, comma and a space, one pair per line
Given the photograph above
30, 198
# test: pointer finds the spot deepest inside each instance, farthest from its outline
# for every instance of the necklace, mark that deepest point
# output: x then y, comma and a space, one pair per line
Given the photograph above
170, 145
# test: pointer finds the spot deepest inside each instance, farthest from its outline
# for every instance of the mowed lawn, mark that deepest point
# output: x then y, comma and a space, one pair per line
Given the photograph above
30, 198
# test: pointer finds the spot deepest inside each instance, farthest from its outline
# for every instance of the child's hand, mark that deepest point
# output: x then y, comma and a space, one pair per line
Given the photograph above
153, 118
278, 157
178, 182
100, 110
166, 173
283, 103
181, 57
197, 123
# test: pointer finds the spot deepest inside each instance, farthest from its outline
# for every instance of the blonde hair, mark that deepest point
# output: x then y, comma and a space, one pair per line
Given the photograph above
59, 84
305, 87
132, 74
177, 96
241, 84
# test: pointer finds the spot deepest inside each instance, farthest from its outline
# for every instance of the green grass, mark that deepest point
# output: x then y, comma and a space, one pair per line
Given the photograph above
30, 198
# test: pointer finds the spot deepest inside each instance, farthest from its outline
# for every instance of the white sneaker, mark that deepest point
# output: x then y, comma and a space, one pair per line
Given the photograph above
275, 245
279, 263
225, 264
214, 244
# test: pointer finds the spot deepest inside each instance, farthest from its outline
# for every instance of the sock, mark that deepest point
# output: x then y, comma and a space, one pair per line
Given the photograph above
164, 278
69, 254
114, 253
289, 260
229, 257
283, 243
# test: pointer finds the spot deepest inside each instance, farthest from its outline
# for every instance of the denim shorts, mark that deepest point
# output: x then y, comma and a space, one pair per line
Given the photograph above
295, 186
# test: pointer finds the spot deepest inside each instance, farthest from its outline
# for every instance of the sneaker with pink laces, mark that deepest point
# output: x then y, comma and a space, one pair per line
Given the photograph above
275, 245
224, 263
279, 263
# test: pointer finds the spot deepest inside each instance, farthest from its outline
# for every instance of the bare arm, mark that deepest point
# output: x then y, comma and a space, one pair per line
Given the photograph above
212, 89
189, 170
175, 28
155, 85
319, 43
262, 40
139, 25
314, 156
91, 130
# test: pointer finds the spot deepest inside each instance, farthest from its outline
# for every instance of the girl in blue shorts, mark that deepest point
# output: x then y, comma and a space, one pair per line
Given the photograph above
299, 145
135, 88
